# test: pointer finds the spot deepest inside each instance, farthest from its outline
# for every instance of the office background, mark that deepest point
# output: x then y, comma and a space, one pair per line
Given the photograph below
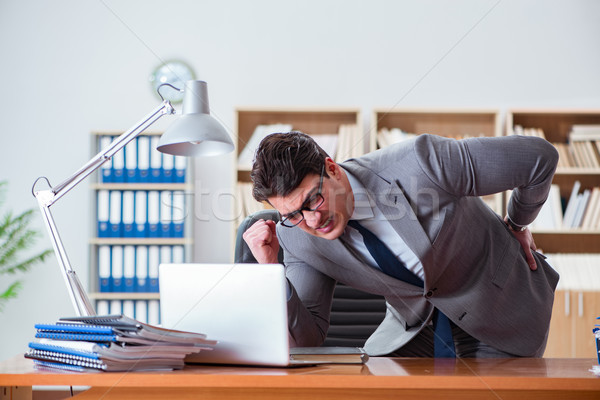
69, 67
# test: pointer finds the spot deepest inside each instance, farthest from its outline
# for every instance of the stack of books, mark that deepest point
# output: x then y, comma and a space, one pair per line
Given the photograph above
112, 343
596, 368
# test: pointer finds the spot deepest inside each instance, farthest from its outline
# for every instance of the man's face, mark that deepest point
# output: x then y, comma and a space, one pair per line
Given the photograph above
330, 219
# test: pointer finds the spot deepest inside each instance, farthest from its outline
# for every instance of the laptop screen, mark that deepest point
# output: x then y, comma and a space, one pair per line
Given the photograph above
242, 306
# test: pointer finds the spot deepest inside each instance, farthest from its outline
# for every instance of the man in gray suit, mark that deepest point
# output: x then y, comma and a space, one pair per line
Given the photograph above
421, 199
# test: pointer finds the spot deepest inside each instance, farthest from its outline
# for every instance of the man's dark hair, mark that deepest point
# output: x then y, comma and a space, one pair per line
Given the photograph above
282, 161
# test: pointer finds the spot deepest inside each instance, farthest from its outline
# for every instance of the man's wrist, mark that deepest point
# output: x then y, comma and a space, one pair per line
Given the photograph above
514, 227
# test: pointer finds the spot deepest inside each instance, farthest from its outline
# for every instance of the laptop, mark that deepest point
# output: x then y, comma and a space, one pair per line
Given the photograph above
241, 306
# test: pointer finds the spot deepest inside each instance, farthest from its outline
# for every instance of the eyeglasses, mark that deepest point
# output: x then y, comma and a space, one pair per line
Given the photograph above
311, 204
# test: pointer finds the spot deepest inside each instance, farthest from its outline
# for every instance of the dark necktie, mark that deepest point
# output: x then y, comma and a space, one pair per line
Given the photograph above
390, 265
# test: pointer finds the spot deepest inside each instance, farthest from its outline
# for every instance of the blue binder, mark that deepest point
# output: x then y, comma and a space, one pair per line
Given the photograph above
129, 268
118, 283
141, 269
102, 213
115, 208
178, 213
107, 168
104, 272
118, 167
131, 171
143, 159
128, 213
153, 262
141, 214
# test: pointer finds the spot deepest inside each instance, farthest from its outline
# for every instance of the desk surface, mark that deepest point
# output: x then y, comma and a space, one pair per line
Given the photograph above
380, 377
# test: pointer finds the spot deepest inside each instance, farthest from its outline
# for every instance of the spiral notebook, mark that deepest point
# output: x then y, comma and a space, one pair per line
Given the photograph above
241, 306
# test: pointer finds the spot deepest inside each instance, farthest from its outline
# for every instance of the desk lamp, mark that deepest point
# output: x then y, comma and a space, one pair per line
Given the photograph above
196, 133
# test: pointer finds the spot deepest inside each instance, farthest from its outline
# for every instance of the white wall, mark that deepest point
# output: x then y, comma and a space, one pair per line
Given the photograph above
72, 66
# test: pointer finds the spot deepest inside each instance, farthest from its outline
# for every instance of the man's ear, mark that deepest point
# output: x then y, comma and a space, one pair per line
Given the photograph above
331, 168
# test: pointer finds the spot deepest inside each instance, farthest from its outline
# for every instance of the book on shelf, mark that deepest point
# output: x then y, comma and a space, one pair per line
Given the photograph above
246, 156
550, 215
578, 271
386, 137
583, 208
334, 355
112, 343
581, 149
350, 142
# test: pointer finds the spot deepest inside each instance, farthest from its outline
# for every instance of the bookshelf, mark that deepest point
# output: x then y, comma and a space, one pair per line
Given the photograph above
390, 125
574, 250
339, 128
140, 219
556, 126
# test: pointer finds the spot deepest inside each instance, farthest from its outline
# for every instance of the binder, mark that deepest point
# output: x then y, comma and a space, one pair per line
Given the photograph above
143, 159
141, 310
128, 308
115, 307
106, 170
75, 328
102, 212
155, 161
88, 337
118, 166
178, 214
178, 256
102, 307
104, 268
128, 200
166, 217
141, 214
180, 167
141, 269
153, 261
168, 164
153, 213
129, 267
114, 218
131, 174
117, 269
153, 312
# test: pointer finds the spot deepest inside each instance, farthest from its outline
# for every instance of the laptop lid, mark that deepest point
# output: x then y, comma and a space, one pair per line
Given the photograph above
242, 306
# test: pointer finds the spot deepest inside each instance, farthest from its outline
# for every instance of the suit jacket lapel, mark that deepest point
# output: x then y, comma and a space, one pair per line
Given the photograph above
390, 199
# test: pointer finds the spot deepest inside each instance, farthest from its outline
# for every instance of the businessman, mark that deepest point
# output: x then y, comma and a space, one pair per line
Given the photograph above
406, 222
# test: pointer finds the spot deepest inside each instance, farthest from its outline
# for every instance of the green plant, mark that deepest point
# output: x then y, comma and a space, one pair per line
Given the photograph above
15, 237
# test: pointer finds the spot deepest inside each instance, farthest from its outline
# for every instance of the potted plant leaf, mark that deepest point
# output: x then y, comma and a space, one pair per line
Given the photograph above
15, 238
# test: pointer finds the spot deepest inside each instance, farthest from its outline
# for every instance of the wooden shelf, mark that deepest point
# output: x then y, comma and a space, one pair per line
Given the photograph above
448, 122
142, 186
124, 296
568, 241
141, 241
312, 121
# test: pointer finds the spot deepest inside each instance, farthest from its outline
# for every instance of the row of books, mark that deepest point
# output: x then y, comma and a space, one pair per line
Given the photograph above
347, 142
141, 213
132, 268
143, 310
140, 162
582, 150
581, 209
578, 271
245, 203
112, 343
389, 136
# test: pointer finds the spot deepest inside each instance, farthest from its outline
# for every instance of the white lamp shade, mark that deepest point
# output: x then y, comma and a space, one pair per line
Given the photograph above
196, 133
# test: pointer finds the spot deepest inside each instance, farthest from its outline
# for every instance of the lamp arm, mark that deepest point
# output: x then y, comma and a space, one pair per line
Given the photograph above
46, 198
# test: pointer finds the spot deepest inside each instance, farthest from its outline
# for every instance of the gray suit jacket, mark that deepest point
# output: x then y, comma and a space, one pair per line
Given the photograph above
475, 270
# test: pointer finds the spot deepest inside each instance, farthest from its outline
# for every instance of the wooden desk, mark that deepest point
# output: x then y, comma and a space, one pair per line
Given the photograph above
379, 378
